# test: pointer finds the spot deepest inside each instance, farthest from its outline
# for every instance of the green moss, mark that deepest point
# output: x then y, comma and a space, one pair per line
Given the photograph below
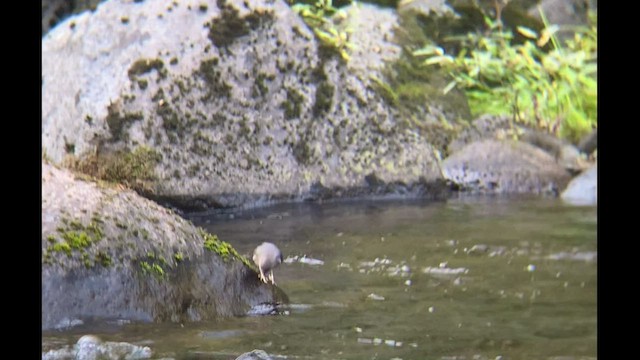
159, 95
385, 90
51, 238
76, 225
212, 77
118, 122
228, 26
69, 148
193, 170
222, 248
142, 84
293, 105
77, 239
133, 169
302, 152
171, 122
157, 269
144, 66
152, 268
103, 259
259, 86
146, 268
86, 261
62, 247
324, 98
95, 229
178, 257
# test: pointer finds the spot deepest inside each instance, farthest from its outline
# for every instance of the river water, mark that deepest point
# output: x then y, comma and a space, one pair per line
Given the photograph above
477, 278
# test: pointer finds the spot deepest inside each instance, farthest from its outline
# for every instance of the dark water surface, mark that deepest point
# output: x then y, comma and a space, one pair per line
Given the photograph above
461, 279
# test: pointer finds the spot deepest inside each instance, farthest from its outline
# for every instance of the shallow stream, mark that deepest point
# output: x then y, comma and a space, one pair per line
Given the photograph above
487, 278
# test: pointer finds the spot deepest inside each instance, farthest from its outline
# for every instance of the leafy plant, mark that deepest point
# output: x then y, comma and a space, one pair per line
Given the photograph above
555, 90
319, 18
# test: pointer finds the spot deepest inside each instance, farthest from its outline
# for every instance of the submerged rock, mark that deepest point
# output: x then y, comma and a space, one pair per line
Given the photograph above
109, 253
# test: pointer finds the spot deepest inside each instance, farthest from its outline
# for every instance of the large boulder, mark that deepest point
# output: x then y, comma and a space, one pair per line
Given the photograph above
235, 96
109, 253
505, 167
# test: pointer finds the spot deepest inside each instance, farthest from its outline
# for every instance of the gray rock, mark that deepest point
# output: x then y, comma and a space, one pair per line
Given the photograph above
90, 347
478, 249
583, 190
503, 127
238, 117
109, 253
256, 355
486, 127
566, 154
565, 12
502, 167
589, 143
263, 309
54, 11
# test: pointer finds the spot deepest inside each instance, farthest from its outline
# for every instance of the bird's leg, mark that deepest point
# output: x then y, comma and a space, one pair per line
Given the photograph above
271, 277
261, 276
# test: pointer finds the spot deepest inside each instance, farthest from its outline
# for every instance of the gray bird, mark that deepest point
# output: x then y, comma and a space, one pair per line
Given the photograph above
267, 257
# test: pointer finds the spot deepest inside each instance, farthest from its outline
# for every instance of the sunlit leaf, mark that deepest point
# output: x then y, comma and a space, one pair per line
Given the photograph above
526, 32
438, 60
449, 87
429, 50
546, 35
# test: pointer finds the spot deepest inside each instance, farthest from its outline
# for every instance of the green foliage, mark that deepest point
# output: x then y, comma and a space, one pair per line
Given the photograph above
319, 18
555, 90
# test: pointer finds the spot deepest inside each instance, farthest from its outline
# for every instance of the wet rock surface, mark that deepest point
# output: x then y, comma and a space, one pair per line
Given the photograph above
109, 253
